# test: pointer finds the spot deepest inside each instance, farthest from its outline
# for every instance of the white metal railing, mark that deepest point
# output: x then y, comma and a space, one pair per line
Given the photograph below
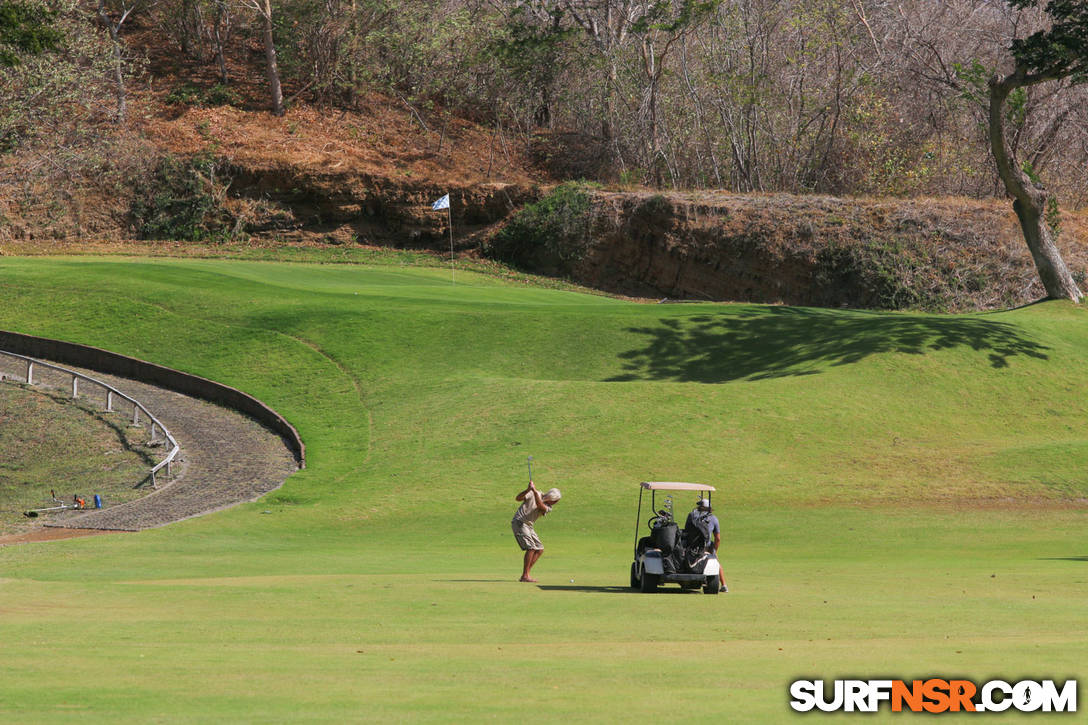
111, 393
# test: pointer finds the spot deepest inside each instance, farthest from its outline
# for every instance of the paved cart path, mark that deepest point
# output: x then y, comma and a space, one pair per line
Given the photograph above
226, 459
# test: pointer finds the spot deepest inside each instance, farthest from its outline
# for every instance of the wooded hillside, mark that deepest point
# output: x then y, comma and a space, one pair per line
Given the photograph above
217, 119
834, 96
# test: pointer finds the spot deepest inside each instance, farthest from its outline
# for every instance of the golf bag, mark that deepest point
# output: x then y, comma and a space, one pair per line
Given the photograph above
698, 537
667, 538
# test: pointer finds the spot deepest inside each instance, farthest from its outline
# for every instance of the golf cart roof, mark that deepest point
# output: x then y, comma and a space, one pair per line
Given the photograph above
675, 486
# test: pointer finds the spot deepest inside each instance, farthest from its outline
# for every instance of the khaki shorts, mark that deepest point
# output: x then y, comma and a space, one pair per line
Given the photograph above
526, 536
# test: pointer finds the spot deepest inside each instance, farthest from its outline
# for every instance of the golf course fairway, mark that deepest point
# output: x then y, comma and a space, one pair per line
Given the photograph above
902, 496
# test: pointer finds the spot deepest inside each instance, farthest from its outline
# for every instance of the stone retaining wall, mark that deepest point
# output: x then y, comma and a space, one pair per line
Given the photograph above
104, 361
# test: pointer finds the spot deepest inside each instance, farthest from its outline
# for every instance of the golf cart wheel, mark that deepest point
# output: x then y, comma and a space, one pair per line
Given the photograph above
634, 576
649, 583
712, 586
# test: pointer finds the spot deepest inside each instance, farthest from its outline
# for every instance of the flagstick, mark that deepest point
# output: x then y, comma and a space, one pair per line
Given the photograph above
453, 275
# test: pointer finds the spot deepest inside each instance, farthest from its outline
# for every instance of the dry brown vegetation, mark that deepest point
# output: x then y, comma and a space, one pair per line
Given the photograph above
357, 169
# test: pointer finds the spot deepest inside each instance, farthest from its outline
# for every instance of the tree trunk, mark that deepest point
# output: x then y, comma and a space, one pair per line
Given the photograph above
119, 77
1029, 199
353, 53
653, 141
186, 28
608, 123
270, 60
118, 60
220, 15
543, 115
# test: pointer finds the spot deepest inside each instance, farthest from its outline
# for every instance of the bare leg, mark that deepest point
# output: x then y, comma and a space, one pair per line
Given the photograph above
531, 557
721, 573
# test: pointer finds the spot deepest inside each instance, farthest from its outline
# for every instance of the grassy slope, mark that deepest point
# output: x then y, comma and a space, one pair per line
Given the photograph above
67, 448
867, 464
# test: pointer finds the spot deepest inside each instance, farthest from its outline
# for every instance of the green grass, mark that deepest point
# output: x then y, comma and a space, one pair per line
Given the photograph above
901, 496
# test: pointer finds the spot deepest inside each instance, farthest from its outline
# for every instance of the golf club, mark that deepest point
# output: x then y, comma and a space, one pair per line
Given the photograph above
530, 462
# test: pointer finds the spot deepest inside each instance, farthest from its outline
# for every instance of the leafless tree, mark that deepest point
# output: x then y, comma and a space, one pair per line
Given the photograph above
1055, 53
112, 18
272, 71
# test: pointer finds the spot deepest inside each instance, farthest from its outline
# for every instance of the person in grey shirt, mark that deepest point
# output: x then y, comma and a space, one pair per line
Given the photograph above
533, 505
704, 512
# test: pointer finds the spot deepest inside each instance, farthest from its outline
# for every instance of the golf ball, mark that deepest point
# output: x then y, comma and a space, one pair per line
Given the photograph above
571, 581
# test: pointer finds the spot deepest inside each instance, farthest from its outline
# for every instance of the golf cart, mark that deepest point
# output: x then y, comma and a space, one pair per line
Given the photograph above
671, 554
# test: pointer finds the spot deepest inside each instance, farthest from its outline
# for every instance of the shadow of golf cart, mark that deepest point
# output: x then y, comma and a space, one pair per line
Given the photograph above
669, 554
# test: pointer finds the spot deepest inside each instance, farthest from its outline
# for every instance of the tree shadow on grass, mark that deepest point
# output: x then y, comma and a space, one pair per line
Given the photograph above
787, 341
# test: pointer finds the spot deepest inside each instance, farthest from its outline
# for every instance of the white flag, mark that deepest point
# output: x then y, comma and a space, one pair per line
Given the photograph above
443, 203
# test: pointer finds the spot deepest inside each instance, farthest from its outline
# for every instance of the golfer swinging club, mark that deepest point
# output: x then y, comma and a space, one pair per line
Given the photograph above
533, 506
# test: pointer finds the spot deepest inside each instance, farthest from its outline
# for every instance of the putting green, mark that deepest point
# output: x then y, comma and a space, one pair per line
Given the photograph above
902, 496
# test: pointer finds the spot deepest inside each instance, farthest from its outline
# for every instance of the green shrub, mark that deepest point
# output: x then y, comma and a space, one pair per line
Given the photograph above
897, 275
657, 208
186, 94
551, 235
221, 95
189, 94
869, 275
181, 199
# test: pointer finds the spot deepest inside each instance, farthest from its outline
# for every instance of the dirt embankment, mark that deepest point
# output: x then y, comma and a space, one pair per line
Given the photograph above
369, 177
336, 208
813, 250
938, 254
